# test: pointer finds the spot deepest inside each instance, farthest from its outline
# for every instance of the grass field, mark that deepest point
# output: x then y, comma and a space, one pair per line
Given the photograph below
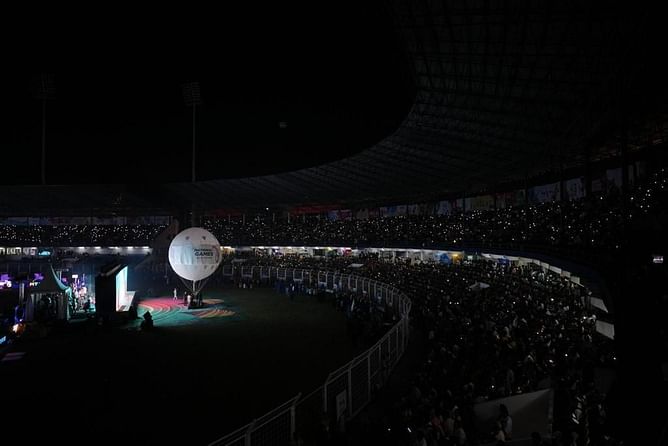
197, 376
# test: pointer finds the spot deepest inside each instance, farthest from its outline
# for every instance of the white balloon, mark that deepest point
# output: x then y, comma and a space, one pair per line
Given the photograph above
194, 254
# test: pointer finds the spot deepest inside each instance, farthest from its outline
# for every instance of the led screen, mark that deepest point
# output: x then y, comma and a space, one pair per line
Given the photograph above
122, 289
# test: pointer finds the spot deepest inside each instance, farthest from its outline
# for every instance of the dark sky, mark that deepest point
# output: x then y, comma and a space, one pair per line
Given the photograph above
335, 74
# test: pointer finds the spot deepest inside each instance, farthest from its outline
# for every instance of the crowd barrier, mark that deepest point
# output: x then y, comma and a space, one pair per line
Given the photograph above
347, 390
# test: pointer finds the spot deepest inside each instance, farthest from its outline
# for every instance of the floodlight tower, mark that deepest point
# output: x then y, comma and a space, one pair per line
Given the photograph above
44, 89
192, 98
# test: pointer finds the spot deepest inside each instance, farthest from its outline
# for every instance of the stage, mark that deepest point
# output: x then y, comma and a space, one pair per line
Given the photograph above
168, 312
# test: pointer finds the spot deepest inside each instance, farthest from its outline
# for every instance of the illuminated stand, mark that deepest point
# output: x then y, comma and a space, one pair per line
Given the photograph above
112, 295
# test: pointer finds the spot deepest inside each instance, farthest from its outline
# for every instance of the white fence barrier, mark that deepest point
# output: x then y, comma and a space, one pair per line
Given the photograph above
347, 390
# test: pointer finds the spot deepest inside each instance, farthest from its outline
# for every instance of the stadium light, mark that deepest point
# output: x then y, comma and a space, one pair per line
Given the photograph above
192, 98
44, 88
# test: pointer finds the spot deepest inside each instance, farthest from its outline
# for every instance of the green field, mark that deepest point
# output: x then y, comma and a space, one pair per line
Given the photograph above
189, 381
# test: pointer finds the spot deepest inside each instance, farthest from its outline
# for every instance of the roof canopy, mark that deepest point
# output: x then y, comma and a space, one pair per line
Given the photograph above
505, 90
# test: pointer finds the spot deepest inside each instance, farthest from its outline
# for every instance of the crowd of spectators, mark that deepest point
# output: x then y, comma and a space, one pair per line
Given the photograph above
530, 329
536, 223
594, 224
78, 235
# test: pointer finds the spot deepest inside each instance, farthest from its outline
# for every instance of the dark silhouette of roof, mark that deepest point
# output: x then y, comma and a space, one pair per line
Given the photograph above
504, 91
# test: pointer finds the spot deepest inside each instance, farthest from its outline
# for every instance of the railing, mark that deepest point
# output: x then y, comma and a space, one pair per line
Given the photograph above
347, 390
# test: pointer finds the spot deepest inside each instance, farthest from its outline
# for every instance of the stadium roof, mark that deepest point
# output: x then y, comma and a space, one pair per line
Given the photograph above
504, 90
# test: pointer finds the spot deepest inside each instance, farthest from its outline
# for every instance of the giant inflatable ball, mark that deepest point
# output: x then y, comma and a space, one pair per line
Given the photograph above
194, 254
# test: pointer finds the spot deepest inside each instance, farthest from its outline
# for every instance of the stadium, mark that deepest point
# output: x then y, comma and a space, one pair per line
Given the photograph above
404, 223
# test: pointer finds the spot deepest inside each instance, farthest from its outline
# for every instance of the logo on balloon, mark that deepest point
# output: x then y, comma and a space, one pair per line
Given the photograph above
204, 255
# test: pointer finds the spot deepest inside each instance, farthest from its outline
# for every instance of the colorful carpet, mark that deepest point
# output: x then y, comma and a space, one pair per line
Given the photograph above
168, 312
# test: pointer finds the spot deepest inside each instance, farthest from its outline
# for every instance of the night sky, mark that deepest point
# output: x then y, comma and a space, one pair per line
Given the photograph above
337, 77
